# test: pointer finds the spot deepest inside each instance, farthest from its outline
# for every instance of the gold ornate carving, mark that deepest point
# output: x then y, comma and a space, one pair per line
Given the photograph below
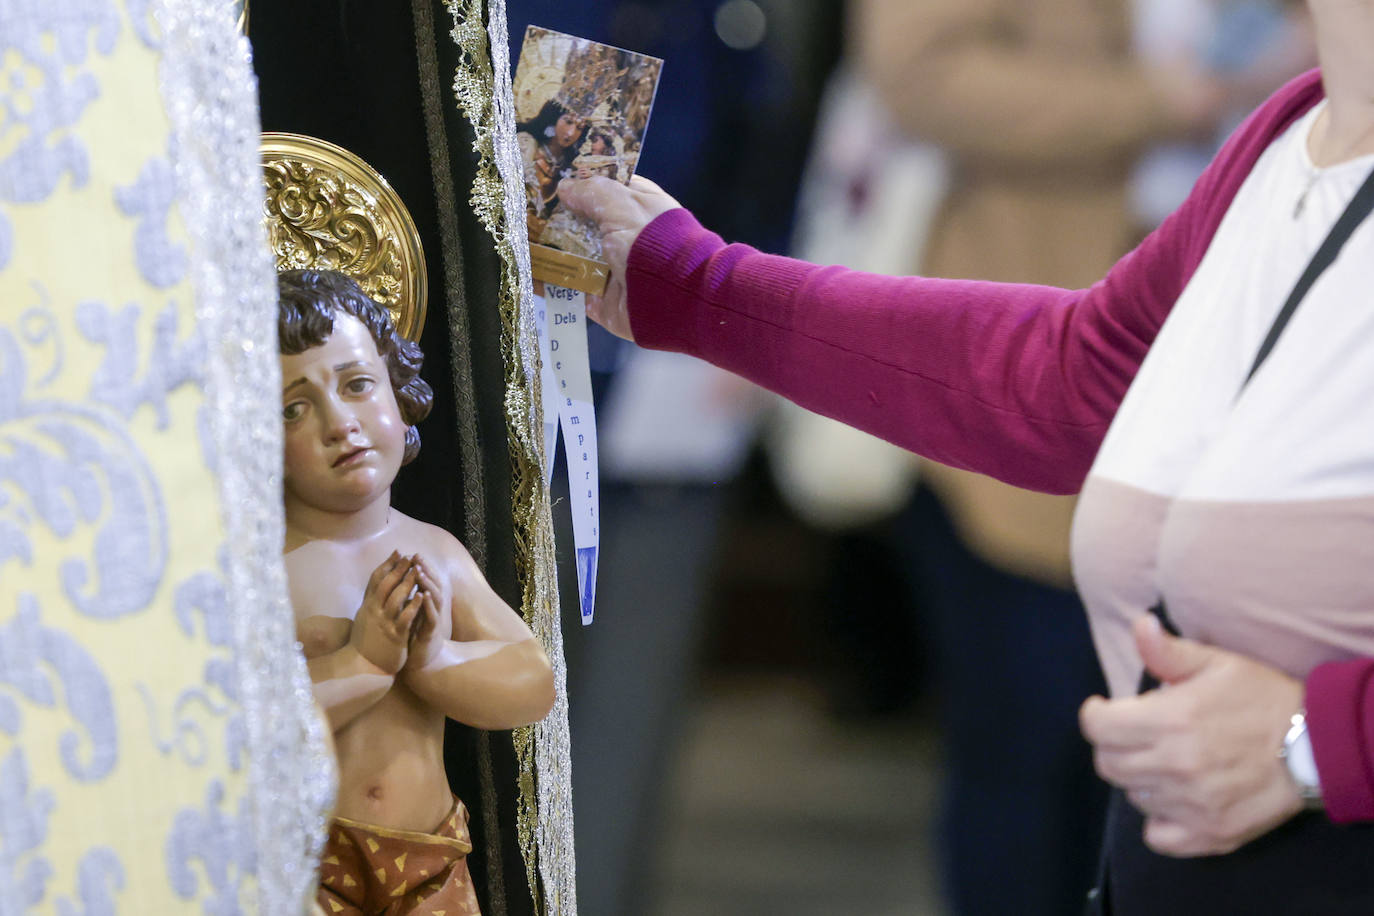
326, 208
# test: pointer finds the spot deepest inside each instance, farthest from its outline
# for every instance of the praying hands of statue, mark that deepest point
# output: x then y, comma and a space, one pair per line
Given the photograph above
1199, 755
432, 627
621, 212
382, 629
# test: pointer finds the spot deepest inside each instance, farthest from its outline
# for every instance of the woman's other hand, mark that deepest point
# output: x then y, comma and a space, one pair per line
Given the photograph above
621, 212
1198, 756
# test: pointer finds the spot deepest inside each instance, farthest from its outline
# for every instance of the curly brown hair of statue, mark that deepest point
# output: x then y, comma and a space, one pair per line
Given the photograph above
308, 300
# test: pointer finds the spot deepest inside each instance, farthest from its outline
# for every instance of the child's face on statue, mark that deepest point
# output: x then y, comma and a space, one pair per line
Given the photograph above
344, 436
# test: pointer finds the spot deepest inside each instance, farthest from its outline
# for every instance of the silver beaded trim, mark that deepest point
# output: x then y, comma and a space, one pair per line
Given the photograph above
210, 94
552, 742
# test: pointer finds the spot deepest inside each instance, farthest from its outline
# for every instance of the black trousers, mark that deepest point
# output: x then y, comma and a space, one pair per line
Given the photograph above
1307, 867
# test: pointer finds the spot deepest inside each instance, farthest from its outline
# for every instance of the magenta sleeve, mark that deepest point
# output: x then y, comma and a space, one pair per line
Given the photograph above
1016, 381
1340, 723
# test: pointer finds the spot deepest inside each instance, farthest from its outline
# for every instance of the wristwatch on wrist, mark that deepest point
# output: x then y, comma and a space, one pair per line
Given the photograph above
1296, 754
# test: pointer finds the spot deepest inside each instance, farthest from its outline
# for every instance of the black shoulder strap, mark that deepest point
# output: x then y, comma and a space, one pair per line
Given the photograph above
1354, 214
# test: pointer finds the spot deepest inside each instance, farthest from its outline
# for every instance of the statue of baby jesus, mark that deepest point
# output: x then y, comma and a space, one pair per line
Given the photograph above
399, 627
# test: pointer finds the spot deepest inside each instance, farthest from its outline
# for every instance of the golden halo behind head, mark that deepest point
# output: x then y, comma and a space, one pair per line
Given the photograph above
329, 210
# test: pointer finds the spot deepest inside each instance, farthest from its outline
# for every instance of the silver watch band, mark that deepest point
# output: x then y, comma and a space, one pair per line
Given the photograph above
1296, 754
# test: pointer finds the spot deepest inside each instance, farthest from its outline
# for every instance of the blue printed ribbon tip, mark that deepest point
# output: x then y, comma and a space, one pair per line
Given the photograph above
586, 581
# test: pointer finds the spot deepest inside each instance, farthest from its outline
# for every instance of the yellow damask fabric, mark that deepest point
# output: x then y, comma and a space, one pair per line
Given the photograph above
127, 763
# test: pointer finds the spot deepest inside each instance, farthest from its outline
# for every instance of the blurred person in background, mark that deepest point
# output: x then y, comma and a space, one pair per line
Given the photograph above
1252, 46
1239, 513
730, 122
1010, 162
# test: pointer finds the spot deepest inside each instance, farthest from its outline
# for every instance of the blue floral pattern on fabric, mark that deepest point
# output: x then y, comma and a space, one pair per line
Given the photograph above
45, 87
149, 199
146, 658
99, 875
36, 660
221, 843
72, 468
24, 874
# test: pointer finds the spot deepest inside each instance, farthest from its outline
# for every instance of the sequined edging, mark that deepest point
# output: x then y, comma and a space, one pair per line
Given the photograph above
210, 95
482, 87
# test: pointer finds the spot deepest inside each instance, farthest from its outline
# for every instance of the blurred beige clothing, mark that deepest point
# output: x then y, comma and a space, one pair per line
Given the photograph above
1042, 113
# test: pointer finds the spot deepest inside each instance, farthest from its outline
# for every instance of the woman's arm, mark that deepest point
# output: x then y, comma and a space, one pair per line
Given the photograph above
1015, 381
1199, 757
1340, 724
1018, 382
